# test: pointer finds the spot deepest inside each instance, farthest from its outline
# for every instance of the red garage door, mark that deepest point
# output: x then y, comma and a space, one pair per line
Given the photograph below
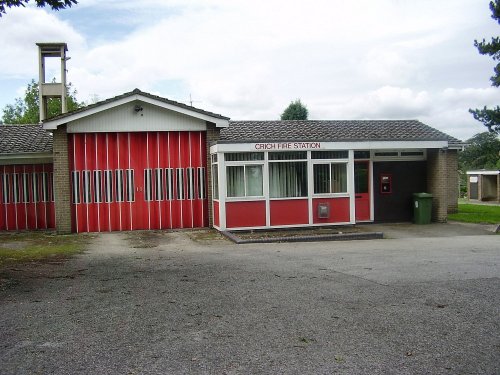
143, 180
26, 197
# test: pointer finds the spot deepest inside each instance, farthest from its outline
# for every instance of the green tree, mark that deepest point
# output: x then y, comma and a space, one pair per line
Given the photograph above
490, 117
482, 152
27, 111
295, 111
54, 4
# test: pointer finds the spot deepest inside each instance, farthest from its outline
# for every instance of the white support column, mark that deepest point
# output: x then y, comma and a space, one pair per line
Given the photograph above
265, 181
351, 188
310, 186
222, 190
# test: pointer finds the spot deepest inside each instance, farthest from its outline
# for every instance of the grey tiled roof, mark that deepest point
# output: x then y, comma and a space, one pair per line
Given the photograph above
19, 139
332, 131
134, 92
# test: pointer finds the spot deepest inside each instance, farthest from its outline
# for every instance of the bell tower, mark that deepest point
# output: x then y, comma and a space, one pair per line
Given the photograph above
51, 89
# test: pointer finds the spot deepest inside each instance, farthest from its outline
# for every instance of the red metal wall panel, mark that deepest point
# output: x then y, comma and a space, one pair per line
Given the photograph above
26, 197
339, 210
245, 214
151, 200
289, 212
216, 213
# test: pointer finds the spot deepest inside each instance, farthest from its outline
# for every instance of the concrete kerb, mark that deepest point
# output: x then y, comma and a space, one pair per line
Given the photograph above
320, 237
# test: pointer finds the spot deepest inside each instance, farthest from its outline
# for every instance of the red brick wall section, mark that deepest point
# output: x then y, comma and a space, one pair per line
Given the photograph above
62, 190
442, 182
213, 134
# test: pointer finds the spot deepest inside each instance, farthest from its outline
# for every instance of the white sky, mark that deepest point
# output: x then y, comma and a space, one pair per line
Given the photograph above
364, 59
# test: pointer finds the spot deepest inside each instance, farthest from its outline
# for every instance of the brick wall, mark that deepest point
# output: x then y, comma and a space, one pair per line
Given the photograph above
62, 190
442, 182
213, 134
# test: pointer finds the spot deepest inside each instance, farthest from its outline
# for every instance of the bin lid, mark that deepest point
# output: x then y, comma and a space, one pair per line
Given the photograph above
422, 195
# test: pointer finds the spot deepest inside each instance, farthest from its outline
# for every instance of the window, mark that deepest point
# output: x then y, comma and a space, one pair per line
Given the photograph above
214, 158
387, 153
287, 180
87, 193
75, 182
344, 154
108, 186
26, 187
159, 184
5, 187
244, 156
180, 183
330, 178
51, 174
361, 154
244, 181
290, 155
45, 186
412, 153
119, 185
215, 181
170, 183
201, 183
35, 190
190, 183
16, 189
148, 185
98, 186
130, 185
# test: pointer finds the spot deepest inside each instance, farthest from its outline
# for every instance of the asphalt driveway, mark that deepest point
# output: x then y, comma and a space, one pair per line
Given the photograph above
194, 303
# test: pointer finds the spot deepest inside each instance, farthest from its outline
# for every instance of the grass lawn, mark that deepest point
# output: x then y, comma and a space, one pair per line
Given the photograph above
37, 246
477, 213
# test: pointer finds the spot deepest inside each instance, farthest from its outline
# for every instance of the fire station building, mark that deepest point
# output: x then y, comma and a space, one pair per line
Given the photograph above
142, 162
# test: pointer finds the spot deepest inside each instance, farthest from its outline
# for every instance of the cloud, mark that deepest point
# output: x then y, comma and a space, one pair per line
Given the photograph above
21, 28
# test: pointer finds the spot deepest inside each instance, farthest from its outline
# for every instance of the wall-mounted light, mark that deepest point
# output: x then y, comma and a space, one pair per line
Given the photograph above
138, 108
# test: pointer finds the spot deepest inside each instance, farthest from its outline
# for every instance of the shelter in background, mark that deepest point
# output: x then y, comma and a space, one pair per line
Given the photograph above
483, 185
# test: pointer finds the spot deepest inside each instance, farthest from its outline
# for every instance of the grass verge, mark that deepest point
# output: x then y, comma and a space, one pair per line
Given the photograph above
37, 246
477, 213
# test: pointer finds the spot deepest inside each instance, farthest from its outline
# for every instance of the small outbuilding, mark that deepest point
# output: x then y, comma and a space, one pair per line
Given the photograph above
483, 185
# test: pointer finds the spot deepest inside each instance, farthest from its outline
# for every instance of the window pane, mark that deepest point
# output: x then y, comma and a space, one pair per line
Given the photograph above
288, 180
361, 178
321, 178
45, 186
148, 186
97, 186
159, 184
87, 194
26, 192
343, 154
215, 183
75, 182
36, 191
180, 183
291, 155
5, 188
253, 177
244, 156
235, 181
339, 178
130, 185
170, 183
190, 183
108, 186
201, 183
119, 185
361, 154
16, 188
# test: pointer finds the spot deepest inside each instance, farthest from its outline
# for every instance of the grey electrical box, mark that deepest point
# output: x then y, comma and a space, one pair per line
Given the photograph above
323, 210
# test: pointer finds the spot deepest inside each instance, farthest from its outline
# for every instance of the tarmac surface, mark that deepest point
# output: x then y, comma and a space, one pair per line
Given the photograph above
426, 300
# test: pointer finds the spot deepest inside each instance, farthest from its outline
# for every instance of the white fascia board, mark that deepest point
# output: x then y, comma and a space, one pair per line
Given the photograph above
52, 125
27, 158
488, 173
363, 145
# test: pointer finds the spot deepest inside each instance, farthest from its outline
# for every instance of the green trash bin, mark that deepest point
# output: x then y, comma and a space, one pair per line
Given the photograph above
422, 208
